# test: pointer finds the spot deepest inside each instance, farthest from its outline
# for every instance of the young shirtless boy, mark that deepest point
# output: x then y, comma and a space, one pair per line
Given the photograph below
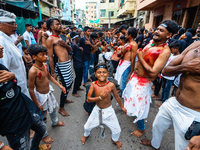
42, 35
103, 113
39, 88
27, 58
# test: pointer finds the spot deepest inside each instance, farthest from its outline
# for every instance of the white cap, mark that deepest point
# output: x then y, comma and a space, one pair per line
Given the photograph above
6, 16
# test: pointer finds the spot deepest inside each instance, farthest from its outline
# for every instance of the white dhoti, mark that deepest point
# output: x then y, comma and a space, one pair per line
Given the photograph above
137, 97
173, 113
47, 101
105, 116
122, 66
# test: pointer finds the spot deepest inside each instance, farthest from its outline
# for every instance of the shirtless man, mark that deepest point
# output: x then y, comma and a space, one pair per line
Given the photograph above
42, 35
63, 68
182, 110
151, 60
127, 63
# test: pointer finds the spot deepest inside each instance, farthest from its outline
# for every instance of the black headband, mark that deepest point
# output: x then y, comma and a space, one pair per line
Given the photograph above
103, 66
167, 27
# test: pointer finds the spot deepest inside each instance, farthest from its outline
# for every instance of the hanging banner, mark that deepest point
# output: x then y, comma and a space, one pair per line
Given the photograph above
44, 9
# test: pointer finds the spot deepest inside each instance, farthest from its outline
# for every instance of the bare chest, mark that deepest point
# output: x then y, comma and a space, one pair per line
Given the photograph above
191, 55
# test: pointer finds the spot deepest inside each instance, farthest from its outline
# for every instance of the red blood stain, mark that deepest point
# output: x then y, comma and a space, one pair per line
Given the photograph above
47, 69
139, 99
141, 80
152, 55
128, 48
134, 105
129, 100
145, 102
40, 75
125, 98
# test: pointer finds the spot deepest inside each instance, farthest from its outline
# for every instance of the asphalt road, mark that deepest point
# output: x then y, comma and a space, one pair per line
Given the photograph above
68, 137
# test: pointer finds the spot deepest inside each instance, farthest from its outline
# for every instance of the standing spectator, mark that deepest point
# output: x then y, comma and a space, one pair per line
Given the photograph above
63, 33
28, 35
12, 59
140, 38
85, 43
123, 29
78, 63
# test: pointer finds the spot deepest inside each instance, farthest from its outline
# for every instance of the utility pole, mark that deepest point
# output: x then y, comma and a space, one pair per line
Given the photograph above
109, 19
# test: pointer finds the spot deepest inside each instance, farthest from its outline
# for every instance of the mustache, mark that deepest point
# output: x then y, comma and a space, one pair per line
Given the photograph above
156, 34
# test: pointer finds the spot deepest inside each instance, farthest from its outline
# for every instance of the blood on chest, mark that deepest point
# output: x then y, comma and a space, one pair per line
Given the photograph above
152, 55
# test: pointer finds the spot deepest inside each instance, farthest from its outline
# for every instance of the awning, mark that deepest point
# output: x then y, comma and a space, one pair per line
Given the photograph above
29, 5
130, 19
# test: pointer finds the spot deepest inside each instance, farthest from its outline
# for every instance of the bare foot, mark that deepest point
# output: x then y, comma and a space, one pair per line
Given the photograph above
69, 101
159, 104
147, 142
159, 99
63, 112
138, 133
32, 133
118, 143
80, 89
47, 139
76, 95
83, 139
153, 95
60, 123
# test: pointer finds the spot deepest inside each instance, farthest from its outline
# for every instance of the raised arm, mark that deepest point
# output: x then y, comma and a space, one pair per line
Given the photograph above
39, 37
90, 92
158, 64
176, 66
134, 48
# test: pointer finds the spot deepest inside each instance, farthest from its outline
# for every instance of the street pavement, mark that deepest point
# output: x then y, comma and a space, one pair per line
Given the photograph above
68, 137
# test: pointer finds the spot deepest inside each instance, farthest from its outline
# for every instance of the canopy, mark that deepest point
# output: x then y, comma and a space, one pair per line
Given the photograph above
29, 5
94, 21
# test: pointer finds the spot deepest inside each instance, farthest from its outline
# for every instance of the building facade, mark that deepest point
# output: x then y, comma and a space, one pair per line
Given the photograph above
91, 13
80, 18
108, 13
185, 12
73, 11
66, 10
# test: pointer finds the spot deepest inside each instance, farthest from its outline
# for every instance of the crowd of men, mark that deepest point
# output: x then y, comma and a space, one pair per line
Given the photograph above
137, 63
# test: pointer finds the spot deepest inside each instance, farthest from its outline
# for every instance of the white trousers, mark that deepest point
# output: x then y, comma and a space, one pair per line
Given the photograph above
109, 118
173, 113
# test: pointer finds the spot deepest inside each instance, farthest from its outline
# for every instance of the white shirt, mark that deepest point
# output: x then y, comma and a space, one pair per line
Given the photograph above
27, 37
12, 60
49, 33
169, 60
19, 45
108, 55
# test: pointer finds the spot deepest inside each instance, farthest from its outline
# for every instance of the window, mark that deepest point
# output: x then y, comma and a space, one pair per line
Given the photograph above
111, 1
111, 14
147, 17
102, 1
94, 7
91, 6
91, 11
91, 16
102, 13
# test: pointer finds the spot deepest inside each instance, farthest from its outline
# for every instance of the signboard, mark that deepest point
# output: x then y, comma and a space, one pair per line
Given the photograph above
44, 9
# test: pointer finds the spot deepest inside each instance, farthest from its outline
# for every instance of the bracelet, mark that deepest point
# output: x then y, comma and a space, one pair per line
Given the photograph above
18, 41
100, 98
2, 144
53, 74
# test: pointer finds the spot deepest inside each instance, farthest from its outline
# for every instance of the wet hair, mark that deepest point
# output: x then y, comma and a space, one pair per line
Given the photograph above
41, 22
142, 30
116, 31
50, 21
35, 49
172, 25
122, 37
174, 44
24, 47
93, 35
123, 27
132, 32
100, 33
191, 31
28, 25
86, 28
101, 65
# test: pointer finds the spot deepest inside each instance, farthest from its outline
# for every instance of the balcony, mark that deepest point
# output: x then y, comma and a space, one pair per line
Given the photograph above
128, 7
150, 4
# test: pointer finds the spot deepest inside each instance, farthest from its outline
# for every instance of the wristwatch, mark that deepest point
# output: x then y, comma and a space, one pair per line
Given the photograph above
2, 144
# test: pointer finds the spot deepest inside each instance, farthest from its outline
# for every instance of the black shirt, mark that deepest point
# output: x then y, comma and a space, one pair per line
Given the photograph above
63, 37
140, 39
86, 48
77, 56
16, 109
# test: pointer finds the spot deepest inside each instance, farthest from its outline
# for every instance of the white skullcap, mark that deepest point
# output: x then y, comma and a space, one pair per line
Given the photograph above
6, 16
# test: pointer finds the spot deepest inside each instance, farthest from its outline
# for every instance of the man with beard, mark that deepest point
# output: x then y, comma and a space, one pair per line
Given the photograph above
151, 60
127, 63
182, 111
42, 35
63, 68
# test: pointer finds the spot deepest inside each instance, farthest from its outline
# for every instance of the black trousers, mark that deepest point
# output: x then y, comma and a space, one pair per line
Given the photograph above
78, 79
157, 82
